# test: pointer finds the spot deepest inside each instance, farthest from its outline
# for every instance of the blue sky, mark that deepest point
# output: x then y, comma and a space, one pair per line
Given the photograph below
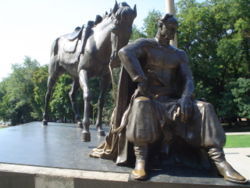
28, 27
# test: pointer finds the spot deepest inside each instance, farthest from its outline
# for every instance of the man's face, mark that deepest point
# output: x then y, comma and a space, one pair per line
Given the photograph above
168, 30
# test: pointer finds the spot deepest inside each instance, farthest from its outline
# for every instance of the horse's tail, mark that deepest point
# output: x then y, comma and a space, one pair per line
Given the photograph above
54, 48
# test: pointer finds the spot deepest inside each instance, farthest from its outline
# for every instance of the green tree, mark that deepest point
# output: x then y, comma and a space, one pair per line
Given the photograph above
150, 23
60, 103
39, 80
149, 28
215, 34
3, 100
136, 33
17, 96
241, 94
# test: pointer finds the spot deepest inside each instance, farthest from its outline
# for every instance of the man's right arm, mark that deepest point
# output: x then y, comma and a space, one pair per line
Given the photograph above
129, 56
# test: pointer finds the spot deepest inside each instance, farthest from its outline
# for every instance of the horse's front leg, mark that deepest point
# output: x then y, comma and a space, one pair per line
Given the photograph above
83, 79
104, 85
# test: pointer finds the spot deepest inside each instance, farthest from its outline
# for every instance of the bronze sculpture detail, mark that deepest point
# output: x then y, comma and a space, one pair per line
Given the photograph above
90, 52
155, 104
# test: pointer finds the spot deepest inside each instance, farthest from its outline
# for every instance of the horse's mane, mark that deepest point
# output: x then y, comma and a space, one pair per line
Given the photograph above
123, 9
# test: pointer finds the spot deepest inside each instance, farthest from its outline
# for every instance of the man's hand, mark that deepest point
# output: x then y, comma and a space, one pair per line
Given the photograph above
186, 108
142, 88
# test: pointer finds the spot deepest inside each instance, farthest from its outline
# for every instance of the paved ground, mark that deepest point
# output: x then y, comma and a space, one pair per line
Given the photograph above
238, 133
239, 157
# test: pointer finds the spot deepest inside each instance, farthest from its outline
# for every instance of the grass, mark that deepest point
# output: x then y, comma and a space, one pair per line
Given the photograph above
237, 141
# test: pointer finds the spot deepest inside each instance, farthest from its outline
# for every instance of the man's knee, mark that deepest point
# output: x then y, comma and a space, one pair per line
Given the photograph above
143, 126
142, 106
213, 133
205, 105
142, 99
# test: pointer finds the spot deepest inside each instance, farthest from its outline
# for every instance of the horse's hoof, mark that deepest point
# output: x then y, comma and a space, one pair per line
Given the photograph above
79, 124
101, 133
85, 136
45, 122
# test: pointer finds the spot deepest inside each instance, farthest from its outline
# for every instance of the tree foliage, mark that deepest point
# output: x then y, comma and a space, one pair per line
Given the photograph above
22, 95
150, 23
215, 34
17, 101
136, 33
149, 28
60, 104
241, 96
39, 80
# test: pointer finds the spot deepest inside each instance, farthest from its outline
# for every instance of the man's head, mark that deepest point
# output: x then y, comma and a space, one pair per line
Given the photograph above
167, 27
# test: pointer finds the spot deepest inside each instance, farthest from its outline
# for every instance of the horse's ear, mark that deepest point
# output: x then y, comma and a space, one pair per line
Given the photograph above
135, 10
115, 7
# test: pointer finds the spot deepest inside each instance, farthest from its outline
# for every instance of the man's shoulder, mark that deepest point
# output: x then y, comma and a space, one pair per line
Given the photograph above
150, 42
177, 50
182, 55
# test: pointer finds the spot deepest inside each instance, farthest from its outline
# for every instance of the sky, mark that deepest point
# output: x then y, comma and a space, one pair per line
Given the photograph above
28, 27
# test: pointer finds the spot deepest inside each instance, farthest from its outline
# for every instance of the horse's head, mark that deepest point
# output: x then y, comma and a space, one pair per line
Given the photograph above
122, 17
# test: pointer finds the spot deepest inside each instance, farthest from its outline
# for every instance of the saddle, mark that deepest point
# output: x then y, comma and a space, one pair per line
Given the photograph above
80, 35
76, 34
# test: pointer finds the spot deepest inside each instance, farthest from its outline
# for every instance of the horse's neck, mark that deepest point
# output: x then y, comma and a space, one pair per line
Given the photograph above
102, 32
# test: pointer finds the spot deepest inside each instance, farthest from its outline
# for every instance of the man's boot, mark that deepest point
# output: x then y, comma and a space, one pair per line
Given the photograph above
223, 167
139, 173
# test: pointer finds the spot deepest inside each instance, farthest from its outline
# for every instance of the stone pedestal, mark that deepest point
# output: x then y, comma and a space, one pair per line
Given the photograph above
34, 156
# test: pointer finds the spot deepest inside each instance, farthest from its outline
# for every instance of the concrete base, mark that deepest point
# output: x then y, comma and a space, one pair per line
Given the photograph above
34, 156
20, 176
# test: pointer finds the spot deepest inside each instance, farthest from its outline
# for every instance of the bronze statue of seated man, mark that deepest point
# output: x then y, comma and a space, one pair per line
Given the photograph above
155, 101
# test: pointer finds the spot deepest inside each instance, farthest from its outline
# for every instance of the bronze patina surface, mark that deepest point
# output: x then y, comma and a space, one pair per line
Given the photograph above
156, 112
88, 52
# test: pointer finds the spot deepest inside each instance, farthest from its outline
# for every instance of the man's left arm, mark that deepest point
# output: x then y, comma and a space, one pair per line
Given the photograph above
185, 101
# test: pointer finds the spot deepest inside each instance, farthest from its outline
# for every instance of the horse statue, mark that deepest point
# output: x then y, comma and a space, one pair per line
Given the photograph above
88, 52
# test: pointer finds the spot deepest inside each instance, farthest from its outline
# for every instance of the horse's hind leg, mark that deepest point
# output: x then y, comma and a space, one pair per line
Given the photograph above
72, 95
83, 79
104, 85
50, 85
